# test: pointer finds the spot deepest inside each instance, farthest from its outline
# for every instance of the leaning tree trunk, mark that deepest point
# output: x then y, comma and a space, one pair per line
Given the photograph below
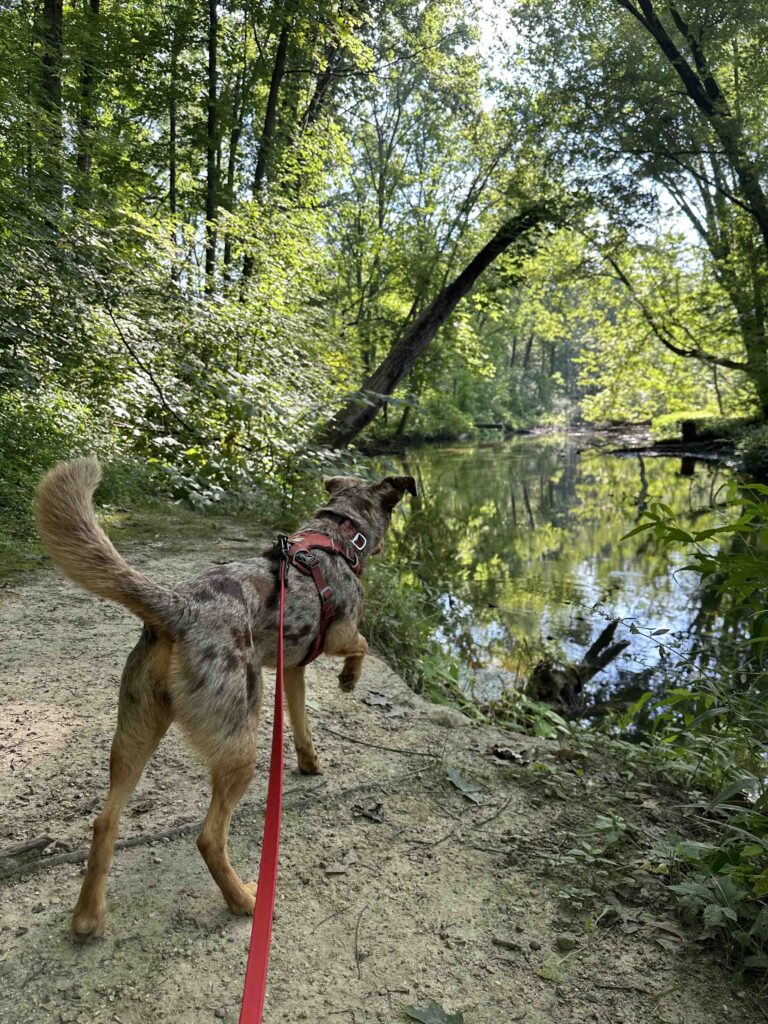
324, 86
361, 408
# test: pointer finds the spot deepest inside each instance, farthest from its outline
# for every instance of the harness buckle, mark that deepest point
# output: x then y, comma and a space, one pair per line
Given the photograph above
359, 542
306, 559
326, 594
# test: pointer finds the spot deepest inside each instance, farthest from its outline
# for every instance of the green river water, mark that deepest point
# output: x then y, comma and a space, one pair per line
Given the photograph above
520, 542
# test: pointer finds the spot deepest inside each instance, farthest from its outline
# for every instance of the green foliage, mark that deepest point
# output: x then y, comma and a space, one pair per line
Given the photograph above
438, 420
718, 727
400, 619
211, 351
670, 422
516, 711
34, 433
752, 450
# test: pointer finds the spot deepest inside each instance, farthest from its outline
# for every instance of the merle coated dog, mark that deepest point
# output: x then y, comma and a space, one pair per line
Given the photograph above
199, 659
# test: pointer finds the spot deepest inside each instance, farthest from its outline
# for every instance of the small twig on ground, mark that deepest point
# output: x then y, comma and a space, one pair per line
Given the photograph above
382, 784
357, 943
34, 844
474, 824
487, 849
492, 817
435, 842
329, 918
662, 995
447, 811
380, 746
31, 867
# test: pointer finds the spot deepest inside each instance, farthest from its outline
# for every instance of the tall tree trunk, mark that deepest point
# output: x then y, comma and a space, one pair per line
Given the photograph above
263, 160
85, 118
704, 90
753, 332
528, 350
358, 412
211, 174
173, 123
323, 90
52, 32
238, 111
716, 231
403, 422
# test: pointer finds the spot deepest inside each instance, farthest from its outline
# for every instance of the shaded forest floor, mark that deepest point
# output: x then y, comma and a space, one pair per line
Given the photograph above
396, 888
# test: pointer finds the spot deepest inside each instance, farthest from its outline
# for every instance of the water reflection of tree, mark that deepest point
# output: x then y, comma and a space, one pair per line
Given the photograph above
523, 542
729, 608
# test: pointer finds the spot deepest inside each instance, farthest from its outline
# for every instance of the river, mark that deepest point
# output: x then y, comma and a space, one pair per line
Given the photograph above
520, 543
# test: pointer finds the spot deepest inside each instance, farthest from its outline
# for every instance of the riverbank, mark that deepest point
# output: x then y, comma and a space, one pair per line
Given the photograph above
740, 443
436, 861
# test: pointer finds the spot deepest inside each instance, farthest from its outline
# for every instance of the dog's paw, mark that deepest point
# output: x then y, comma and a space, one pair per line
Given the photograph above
347, 681
244, 907
87, 925
309, 764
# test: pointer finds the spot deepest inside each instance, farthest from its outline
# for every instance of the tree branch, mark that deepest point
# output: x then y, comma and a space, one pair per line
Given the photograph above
663, 334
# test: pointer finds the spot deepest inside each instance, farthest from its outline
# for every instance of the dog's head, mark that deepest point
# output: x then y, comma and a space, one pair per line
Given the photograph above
368, 506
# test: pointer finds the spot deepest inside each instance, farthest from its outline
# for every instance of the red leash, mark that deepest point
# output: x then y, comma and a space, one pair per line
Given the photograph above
255, 988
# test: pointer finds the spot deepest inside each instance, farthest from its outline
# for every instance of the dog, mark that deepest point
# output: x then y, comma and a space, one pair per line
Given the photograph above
198, 661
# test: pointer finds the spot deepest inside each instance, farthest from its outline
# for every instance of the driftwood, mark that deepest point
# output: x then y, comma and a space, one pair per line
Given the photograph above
563, 686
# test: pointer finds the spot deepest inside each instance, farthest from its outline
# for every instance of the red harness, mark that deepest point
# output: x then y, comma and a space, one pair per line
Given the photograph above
298, 550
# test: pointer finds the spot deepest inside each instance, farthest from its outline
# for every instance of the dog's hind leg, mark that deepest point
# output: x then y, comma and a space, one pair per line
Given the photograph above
229, 781
139, 730
295, 695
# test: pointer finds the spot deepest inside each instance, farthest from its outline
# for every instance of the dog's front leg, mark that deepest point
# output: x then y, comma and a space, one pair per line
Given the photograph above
295, 695
353, 665
344, 639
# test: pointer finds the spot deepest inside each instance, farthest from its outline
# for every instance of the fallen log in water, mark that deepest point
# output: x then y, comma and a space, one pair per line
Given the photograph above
563, 685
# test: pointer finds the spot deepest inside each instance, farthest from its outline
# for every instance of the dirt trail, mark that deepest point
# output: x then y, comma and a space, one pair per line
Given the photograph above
395, 888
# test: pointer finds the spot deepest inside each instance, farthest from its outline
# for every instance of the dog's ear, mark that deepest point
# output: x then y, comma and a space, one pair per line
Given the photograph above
335, 483
391, 489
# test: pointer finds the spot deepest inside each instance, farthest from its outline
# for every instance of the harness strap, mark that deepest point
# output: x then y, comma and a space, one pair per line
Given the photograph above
298, 549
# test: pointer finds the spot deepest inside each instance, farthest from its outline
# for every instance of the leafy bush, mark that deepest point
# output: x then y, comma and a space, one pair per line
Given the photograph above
35, 433
438, 419
670, 422
718, 727
753, 452
401, 614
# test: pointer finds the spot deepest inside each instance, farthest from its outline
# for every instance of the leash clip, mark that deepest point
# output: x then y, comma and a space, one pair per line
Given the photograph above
359, 542
283, 546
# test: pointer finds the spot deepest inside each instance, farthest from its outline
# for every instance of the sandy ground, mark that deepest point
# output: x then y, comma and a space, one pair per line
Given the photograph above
395, 888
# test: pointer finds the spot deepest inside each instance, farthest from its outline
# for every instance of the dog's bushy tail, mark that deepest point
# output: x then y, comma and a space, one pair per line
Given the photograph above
83, 552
